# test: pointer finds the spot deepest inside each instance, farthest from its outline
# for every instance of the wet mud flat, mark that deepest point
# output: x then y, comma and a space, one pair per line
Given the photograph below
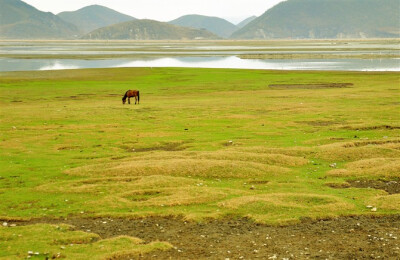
356, 237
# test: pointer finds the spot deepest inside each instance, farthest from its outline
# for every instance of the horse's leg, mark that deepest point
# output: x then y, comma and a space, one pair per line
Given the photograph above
129, 100
135, 99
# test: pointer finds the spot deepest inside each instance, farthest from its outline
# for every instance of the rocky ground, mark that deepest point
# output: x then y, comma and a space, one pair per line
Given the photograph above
358, 237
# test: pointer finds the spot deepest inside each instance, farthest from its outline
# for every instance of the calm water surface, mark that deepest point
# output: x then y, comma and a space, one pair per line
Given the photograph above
7, 64
46, 55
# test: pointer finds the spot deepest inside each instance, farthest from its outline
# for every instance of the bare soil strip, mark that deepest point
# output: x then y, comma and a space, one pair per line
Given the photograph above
311, 86
391, 187
356, 237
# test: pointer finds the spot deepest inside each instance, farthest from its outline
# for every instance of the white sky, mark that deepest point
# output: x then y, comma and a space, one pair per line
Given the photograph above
165, 10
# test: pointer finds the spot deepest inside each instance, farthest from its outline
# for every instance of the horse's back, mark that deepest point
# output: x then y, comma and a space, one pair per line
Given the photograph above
132, 93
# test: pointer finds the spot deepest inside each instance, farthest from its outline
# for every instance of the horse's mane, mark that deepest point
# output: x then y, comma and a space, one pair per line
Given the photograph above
125, 96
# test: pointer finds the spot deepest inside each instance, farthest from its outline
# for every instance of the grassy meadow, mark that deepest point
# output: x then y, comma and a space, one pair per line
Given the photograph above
273, 146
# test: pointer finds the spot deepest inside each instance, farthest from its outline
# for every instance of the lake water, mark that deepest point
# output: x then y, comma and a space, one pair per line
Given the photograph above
9, 64
57, 55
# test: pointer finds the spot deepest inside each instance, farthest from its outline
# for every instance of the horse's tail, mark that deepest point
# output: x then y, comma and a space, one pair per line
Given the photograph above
138, 96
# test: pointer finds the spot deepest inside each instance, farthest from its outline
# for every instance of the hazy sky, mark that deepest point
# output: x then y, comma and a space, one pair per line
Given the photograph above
165, 10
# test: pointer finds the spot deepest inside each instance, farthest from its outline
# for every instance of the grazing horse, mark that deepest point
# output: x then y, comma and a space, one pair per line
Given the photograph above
129, 94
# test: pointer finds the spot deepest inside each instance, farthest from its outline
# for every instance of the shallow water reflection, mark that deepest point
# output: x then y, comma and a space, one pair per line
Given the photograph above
7, 64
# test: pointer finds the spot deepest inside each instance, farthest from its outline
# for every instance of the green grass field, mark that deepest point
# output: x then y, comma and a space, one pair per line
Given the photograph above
273, 146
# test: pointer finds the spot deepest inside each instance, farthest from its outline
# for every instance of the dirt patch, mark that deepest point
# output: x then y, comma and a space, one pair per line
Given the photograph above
171, 146
365, 143
358, 237
143, 195
163, 147
342, 185
374, 127
311, 86
319, 123
73, 147
391, 187
258, 182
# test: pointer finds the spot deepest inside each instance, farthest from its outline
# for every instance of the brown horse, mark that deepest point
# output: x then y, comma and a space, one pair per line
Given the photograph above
129, 94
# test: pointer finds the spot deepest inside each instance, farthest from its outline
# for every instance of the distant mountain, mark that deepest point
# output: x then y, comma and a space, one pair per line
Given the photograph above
19, 20
326, 19
148, 30
246, 21
93, 17
215, 25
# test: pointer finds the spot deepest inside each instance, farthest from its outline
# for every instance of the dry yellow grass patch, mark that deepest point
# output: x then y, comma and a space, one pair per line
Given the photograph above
134, 253
313, 202
156, 190
227, 163
241, 116
376, 167
182, 167
388, 202
16, 219
266, 158
395, 146
165, 197
272, 156
351, 151
296, 153
177, 196
116, 184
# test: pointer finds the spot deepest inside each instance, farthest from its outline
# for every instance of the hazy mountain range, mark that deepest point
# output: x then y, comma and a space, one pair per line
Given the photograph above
295, 19
215, 25
93, 17
326, 19
148, 30
19, 20
246, 21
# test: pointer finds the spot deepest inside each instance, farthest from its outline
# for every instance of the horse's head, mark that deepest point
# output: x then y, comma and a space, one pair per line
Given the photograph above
123, 100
